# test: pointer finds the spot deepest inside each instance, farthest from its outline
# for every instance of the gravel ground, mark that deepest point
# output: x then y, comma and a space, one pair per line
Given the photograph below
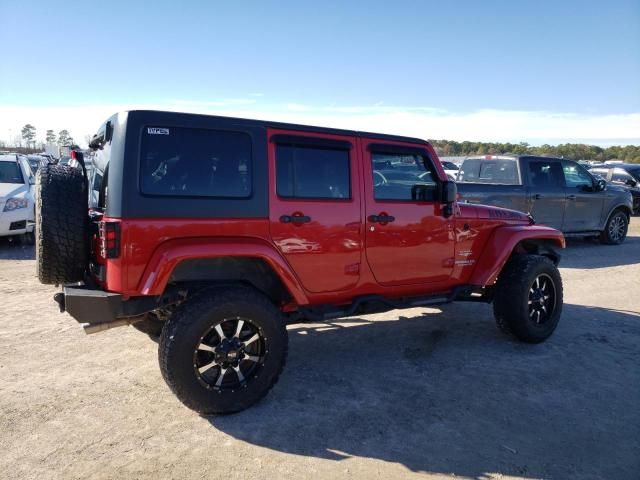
429, 393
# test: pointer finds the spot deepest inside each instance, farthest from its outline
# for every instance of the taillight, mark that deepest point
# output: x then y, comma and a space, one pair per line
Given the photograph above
110, 239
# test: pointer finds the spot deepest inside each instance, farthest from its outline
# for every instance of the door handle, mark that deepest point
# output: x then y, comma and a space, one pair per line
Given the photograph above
381, 218
571, 197
537, 196
295, 219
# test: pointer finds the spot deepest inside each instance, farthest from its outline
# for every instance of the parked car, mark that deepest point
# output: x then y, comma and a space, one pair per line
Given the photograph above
618, 175
556, 192
36, 161
212, 233
17, 208
451, 169
50, 158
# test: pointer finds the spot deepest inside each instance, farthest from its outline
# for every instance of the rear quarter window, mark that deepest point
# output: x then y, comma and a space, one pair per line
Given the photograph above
191, 162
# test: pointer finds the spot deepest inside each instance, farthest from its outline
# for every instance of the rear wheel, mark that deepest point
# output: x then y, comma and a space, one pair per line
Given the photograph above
223, 350
615, 231
528, 298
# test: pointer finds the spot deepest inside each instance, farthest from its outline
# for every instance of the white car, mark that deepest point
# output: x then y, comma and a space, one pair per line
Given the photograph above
17, 206
451, 169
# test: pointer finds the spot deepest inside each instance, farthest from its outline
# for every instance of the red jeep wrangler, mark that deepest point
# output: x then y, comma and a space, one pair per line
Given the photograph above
212, 233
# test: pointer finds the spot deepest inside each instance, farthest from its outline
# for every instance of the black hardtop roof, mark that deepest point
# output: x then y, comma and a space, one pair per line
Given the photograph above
282, 125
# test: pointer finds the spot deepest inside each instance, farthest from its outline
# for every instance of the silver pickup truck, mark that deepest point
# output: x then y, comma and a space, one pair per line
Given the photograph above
556, 192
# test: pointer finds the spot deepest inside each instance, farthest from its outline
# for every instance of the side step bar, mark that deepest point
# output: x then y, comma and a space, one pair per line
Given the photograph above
379, 304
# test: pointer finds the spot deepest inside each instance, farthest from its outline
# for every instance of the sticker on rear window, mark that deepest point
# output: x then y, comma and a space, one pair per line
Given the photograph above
157, 131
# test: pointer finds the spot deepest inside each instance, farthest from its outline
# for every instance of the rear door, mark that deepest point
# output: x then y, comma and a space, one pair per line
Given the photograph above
545, 191
584, 203
408, 240
315, 218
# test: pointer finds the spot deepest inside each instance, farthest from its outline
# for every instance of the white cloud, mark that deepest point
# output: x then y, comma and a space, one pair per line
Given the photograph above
535, 127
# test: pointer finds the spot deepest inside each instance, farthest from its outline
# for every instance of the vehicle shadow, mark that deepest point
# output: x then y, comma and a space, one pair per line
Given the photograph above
447, 393
14, 250
590, 253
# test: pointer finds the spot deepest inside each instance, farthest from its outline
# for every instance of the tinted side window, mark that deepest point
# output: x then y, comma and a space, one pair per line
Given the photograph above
195, 162
501, 172
576, 176
396, 175
545, 174
312, 172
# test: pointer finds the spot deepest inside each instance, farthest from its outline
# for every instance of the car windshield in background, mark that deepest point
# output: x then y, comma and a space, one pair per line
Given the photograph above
498, 171
449, 166
10, 172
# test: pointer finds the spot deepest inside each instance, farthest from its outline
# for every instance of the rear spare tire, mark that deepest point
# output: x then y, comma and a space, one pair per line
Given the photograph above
61, 224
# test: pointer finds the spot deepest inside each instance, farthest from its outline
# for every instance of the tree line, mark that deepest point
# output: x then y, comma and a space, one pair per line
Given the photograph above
573, 151
28, 136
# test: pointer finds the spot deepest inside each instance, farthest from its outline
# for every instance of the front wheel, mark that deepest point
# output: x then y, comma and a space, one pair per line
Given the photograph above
528, 298
615, 231
223, 350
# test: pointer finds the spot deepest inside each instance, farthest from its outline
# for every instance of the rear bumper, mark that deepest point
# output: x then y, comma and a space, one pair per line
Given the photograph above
93, 306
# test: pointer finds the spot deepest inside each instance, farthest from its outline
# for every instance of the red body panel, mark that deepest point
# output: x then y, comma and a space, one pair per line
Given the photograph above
326, 252
499, 247
418, 246
336, 256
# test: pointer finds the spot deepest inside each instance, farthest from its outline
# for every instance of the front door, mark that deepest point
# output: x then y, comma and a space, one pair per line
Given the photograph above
315, 218
584, 203
408, 240
545, 191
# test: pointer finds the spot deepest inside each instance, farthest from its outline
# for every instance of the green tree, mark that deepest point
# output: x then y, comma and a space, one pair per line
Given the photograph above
64, 138
50, 136
29, 134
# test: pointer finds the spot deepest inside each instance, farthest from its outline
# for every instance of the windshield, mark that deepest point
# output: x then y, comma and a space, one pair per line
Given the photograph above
10, 172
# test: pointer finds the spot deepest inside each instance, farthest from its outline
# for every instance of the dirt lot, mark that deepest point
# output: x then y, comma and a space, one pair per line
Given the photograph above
422, 393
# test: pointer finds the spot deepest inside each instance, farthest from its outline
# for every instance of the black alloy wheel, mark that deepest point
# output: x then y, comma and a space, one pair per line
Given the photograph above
542, 299
229, 354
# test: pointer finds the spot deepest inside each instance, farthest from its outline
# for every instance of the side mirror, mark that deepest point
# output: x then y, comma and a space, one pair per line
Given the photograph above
449, 197
631, 182
600, 185
449, 192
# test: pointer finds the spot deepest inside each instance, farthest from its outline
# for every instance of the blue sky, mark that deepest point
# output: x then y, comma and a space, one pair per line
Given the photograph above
340, 62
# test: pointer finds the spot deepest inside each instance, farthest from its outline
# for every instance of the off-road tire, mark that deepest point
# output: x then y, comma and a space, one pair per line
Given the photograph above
608, 236
511, 298
185, 329
62, 240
